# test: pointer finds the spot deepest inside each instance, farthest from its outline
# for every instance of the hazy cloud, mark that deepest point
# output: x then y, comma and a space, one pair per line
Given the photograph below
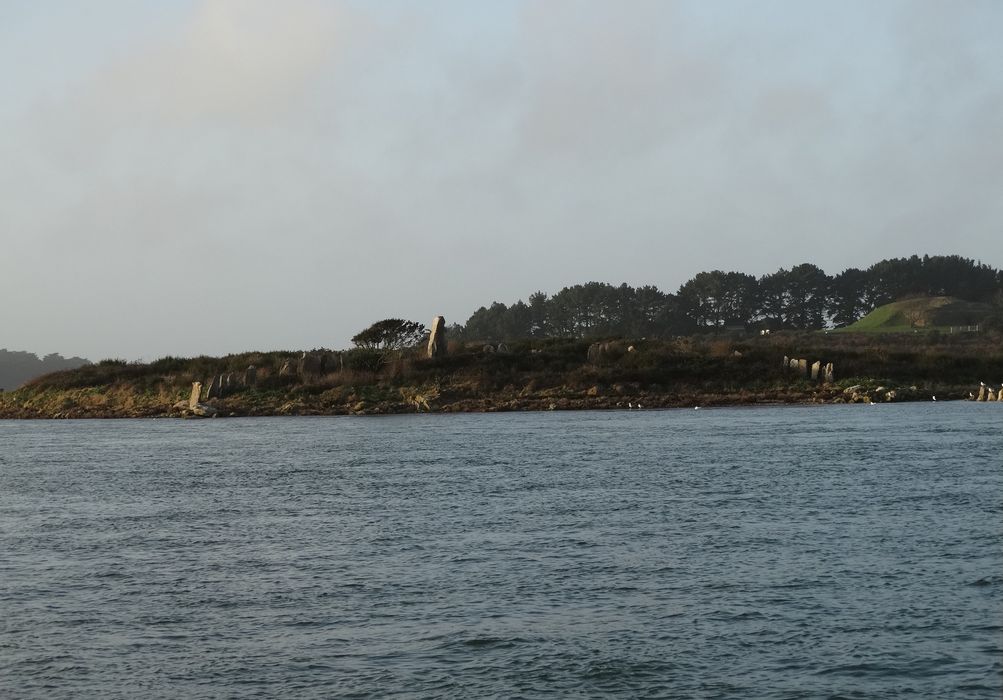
219, 175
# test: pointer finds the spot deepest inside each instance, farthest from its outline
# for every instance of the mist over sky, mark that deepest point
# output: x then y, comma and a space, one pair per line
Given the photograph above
214, 176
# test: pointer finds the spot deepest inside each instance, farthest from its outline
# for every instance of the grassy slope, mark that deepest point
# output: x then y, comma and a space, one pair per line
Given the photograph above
921, 314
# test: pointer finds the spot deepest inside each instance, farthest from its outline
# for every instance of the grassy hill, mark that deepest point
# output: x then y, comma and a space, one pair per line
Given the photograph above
921, 314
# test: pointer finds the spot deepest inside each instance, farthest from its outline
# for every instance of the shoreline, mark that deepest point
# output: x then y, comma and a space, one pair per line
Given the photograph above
554, 374
231, 408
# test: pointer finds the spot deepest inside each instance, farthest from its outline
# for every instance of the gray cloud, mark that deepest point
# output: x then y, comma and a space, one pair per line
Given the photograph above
244, 177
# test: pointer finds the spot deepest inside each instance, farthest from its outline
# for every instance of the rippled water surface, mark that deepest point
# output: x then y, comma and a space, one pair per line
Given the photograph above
852, 552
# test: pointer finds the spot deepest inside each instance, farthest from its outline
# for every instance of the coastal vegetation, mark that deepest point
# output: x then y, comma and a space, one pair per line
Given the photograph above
556, 373
903, 329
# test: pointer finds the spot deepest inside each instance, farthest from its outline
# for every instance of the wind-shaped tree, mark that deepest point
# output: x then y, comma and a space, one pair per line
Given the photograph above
391, 334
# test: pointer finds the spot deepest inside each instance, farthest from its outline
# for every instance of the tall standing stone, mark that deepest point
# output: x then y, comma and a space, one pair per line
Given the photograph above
830, 373
815, 368
982, 393
437, 338
193, 400
787, 363
250, 375
794, 364
803, 368
310, 364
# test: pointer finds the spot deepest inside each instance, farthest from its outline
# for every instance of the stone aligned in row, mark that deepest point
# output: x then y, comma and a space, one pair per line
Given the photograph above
800, 367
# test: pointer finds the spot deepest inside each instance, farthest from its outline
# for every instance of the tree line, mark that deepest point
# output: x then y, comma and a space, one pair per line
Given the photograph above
803, 297
17, 367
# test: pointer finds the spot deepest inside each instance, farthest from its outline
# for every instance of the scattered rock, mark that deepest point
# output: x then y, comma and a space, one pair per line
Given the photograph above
203, 410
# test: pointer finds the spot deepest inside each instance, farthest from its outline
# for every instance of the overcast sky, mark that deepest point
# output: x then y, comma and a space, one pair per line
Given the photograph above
214, 176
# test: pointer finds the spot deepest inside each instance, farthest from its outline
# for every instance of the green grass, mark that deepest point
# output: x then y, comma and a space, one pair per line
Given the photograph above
923, 315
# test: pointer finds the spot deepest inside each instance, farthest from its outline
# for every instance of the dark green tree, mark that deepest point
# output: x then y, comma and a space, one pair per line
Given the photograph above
807, 297
846, 299
391, 334
538, 314
715, 299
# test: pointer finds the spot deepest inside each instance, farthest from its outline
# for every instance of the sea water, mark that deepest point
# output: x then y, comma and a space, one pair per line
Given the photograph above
830, 552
